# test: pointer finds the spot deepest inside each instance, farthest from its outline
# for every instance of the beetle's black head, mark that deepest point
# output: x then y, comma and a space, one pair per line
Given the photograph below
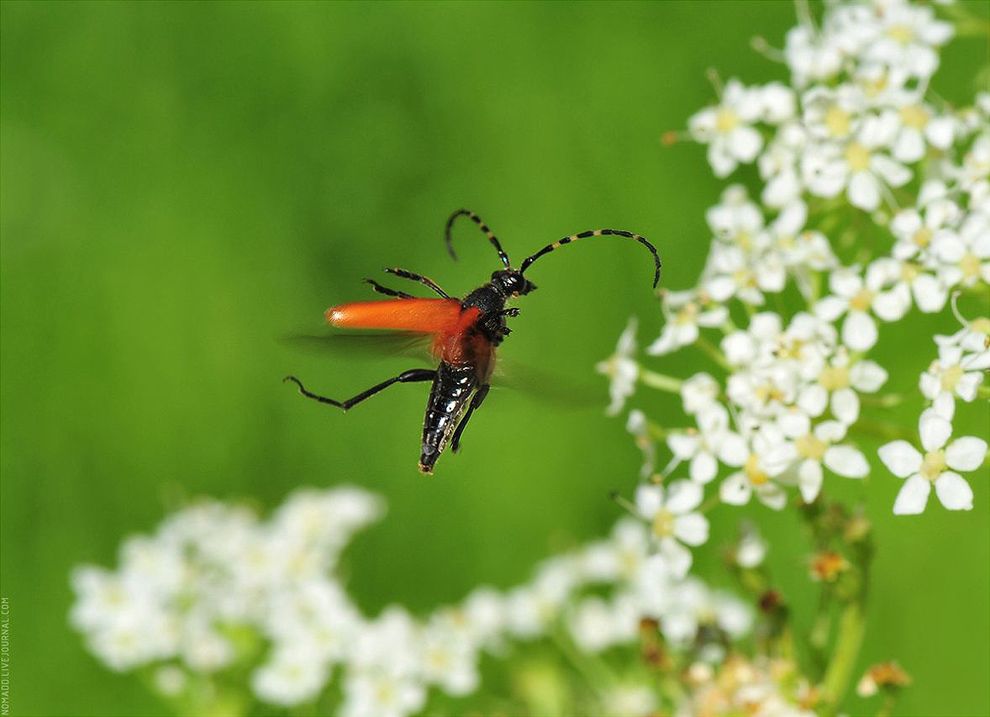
510, 282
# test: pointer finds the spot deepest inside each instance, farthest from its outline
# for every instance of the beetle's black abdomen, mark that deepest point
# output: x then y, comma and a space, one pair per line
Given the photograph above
450, 393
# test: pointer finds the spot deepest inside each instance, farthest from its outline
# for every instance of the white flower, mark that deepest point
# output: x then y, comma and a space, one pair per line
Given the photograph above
597, 625
673, 521
954, 374
814, 447
629, 701
860, 299
726, 128
711, 443
838, 385
622, 369
908, 37
758, 473
381, 694
922, 471
751, 549
699, 392
860, 165
684, 313
291, 677
915, 227
964, 257
638, 425
449, 659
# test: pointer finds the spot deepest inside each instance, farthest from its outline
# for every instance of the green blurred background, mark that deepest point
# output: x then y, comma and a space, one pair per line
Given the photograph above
184, 183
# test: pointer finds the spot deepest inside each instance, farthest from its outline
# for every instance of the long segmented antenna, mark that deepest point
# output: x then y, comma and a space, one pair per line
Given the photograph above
597, 233
482, 226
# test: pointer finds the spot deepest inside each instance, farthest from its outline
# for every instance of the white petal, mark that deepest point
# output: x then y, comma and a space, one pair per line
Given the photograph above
846, 461
732, 450
683, 445
649, 500
735, 490
935, 430
901, 458
845, 405
867, 376
813, 400
892, 305
966, 453
913, 496
675, 556
864, 191
830, 308
929, 293
944, 405
691, 528
954, 492
772, 496
859, 331
683, 496
895, 173
745, 143
703, 467
809, 479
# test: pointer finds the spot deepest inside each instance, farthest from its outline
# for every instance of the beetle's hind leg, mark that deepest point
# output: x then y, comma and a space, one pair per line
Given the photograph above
411, 376
479, 397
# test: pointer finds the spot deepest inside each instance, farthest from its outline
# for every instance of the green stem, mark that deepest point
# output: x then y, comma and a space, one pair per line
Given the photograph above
595, 674
887, 400
852, 626
713, 353
881, 430
660, 381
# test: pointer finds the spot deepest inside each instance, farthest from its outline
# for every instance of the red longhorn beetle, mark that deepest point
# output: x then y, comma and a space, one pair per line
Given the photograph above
463, 334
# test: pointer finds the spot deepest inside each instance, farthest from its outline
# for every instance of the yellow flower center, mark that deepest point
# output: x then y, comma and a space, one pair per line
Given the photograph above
922, 237
910, 271
970, 265
726, 120
902, 33
933, 465
810, 446
951, 377
832, 378
744, 277
857, 157
663, 523
862, 300
915, 116
754, 472
980, 326
686, 314
837, 121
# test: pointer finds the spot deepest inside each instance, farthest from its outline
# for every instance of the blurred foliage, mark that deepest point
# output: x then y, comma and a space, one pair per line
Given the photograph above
182, 184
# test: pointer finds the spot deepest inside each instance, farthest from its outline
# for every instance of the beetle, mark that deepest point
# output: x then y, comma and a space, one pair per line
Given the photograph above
463, 335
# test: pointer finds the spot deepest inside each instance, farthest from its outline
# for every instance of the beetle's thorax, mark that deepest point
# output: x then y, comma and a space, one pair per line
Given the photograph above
490, 301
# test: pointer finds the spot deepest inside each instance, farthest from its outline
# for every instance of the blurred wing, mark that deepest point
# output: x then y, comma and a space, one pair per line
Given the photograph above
427, 316
383, 344
543, 386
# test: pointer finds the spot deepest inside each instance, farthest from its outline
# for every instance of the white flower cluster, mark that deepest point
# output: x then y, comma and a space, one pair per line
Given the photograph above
798, 285
215, 590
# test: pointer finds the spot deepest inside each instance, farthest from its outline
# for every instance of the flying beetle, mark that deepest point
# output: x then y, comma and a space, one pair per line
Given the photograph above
463, 335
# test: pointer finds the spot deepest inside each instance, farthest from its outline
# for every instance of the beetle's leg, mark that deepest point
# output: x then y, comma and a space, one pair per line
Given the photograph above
387, 291
410, 376
479, 397
509, 312
425, 281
